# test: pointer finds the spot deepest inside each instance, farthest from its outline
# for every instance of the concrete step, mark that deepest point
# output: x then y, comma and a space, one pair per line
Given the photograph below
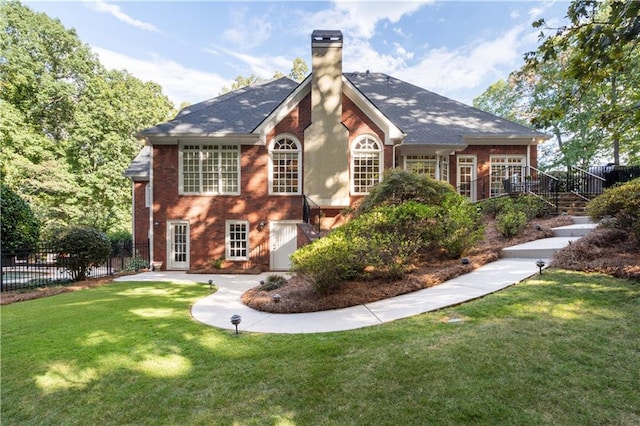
578, 220
575, 230
538, 249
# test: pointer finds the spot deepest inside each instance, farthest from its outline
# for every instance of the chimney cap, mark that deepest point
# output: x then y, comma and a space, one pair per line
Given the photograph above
326, 36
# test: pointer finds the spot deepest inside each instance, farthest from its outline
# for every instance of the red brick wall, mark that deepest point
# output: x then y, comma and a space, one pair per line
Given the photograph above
140, 212
207, 214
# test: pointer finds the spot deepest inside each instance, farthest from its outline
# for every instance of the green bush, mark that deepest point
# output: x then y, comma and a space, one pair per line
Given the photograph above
382, 242
136, 264
460, 225
510, 222
80, 248
531, 205
622, 203
20, 229
399, 186
273, 282
327, 262
494, 206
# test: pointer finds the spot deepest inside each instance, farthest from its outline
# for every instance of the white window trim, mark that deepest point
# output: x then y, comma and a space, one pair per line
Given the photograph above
227, 239
147, 195
298, 151
353, 151
181, 190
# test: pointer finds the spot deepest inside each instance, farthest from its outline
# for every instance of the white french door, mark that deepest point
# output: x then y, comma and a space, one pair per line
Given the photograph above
178, 245
467, 176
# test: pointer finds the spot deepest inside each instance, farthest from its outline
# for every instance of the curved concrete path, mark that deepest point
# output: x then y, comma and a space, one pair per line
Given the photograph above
216, 309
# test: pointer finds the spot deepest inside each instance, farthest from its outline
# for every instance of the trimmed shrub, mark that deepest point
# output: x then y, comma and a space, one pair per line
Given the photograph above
328, 261
399, 186
80, 248
531, 205
510, 222
382, 242
494, 206
273, 282
622, 203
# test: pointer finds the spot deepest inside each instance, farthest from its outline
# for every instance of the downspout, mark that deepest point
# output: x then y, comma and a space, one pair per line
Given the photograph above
393, 163
151, 203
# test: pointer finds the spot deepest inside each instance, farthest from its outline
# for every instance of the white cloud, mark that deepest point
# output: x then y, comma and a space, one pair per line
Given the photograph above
260, 66
114, 10
359, 18
243, 33
178, 82
468, 68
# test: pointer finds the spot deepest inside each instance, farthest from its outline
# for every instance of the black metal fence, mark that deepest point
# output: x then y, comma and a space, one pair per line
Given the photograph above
39, 266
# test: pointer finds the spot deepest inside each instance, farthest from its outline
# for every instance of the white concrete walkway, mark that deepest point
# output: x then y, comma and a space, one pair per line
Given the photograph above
216, 310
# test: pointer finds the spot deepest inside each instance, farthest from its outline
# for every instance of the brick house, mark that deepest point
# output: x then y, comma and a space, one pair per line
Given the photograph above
239, 178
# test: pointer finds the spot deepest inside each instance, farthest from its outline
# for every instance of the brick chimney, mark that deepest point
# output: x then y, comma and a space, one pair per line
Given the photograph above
326, 146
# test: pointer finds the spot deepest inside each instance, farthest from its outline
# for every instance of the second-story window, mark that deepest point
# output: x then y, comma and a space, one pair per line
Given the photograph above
209, 169
366, 164
284, 166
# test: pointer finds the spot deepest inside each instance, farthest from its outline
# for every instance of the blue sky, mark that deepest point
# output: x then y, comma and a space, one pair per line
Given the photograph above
193, 49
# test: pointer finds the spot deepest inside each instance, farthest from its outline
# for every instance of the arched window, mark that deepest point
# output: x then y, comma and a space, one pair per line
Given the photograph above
284, 167
366, 164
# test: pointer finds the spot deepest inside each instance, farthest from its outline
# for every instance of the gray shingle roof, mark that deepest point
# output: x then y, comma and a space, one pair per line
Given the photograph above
239, 111
139, 169
425, 117
428, 118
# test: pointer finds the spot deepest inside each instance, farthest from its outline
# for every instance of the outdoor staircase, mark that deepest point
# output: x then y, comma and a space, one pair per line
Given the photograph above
546, 247
572, 204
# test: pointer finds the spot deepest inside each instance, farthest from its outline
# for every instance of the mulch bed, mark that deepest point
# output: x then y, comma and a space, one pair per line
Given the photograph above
299, 296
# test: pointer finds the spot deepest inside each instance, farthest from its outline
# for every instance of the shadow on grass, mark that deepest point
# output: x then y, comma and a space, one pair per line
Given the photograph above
130, 353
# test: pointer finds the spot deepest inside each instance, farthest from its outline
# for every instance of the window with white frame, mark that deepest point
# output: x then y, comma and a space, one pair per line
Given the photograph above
366, 164
444, 168
506, 167
209, 169
422, 164
147, 195
237, 240
284, 166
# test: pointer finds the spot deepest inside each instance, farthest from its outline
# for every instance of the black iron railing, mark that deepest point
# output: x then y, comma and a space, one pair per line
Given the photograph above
583, 183
38, 266
310, 212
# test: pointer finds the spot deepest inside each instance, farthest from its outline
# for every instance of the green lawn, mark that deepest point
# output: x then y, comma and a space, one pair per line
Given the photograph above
561, 348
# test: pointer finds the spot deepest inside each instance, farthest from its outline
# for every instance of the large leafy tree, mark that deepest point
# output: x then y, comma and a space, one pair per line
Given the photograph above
67, 124
599, 53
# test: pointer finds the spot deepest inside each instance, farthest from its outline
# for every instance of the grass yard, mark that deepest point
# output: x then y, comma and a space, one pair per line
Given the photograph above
561, 348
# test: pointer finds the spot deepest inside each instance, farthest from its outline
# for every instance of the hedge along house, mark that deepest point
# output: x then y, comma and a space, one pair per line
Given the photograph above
237, 179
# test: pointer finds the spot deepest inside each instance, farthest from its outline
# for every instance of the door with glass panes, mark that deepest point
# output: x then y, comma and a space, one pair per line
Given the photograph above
467, 176
178, 245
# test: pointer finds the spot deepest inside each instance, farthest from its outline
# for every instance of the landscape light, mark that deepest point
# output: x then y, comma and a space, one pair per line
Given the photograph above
235, 320
540, 264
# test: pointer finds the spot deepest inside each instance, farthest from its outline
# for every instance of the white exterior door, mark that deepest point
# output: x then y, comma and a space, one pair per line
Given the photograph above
283, 238
467, 175
178, 245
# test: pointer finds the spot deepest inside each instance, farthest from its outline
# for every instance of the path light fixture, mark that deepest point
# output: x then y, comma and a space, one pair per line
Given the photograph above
210, 284
235, 320
540, 264
464, 260
276, 298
